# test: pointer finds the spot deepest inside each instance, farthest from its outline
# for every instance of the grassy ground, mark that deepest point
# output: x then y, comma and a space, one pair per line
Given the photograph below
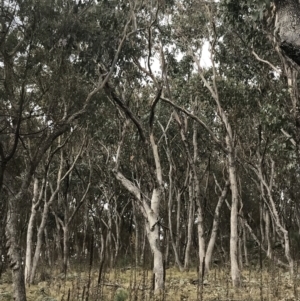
271, 284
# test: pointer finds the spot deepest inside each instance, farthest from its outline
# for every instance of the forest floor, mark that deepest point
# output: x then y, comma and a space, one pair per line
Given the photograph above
136, 284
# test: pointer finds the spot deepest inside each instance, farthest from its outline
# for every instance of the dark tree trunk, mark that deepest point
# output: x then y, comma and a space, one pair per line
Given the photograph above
14, 251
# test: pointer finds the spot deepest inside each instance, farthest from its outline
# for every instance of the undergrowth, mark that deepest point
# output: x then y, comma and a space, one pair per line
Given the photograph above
134, 284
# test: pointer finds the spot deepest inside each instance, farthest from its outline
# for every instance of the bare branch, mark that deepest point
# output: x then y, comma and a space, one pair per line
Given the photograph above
202, 123
266, 62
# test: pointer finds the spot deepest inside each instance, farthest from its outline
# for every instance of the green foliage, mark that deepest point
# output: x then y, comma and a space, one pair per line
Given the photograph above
6, 296
254, 9
66, 44
121, 295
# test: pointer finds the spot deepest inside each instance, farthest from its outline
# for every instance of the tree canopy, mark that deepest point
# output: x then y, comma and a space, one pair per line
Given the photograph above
116, 139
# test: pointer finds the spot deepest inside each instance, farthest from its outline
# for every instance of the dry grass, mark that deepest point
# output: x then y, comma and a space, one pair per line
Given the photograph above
271, 284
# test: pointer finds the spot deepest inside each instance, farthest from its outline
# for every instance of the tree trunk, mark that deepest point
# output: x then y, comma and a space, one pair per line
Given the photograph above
14, 250
171, 190
190, 222
151, 214
245, 245
137, 235
215, 227
178, 224
173, 243
235, 271
66, 248
85, 226
268, 233
47, 251
268, 198
28, 254
143, 248
152, 229
240, 246
117, 245
57, 239
39, 242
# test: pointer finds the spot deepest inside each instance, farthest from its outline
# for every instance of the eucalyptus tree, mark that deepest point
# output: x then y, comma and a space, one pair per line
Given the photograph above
59, 192
191, 45
45, 48
272, 34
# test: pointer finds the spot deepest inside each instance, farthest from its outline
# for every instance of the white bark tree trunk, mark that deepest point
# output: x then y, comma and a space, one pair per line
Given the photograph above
235, 271
151, 214
245, 245
268, 198
171, 191
39, 242
190, 222
178, 228
152, 229
215, 227
34, 207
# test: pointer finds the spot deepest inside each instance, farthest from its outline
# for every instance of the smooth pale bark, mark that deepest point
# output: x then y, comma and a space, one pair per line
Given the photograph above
215, 227
65, 224
152, 229
39, 242
109, 241
29, 236
268, 197
178, 227
173, 243
200, 225
153, 217
117, 217
229, 151
36, 203
190, 222
151, 214
200, 213
201, 238
150, 211
66, 247
171, 190
274, 259
194, 192
235, 270
41, 228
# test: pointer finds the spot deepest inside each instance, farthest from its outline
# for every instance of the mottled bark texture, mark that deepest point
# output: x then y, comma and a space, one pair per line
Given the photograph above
287, 27
14, 250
